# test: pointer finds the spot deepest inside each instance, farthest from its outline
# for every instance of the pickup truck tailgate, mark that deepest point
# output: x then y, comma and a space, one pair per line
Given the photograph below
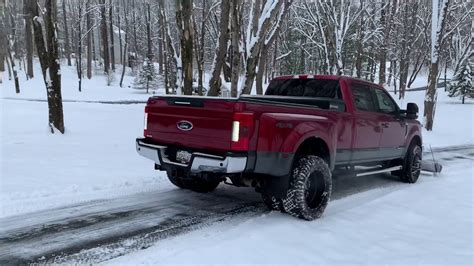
191, 122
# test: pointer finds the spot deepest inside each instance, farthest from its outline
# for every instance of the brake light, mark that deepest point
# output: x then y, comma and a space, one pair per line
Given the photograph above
242, 128
145, 122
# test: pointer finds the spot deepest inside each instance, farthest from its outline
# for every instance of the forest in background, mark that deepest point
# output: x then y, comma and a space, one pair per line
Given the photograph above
243, 43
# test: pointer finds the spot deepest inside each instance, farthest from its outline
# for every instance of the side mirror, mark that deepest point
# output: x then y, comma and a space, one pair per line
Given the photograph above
412, 111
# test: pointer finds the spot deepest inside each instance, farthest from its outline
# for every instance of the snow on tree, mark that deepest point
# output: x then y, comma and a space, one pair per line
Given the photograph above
461, 85
147, 78
262, 26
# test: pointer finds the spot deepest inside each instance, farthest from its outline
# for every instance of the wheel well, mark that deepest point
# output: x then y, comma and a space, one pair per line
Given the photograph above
314, 146
416, 140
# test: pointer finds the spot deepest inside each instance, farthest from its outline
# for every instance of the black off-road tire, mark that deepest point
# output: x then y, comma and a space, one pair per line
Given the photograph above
196, 185
412, 165
310, 188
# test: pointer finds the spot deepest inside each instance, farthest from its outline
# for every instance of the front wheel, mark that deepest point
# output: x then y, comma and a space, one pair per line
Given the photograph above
412, 165
310, 188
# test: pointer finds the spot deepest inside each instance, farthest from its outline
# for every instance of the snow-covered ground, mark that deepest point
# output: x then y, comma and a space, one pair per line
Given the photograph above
427, 223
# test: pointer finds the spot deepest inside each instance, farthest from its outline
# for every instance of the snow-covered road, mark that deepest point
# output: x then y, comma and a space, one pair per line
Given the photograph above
101, 230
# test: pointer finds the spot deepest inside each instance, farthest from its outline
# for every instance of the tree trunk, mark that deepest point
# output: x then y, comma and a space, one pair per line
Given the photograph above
438, 23
89, 40
201, 51
261, 69
219, 58
160, 46
79, 49
430, 98
235, 39
49, 60
410, 20
135, 39
125, 51
9, 68
120, 33
148, 35
274, 61
184, 20
360, 45
67, 46
383, 48
28, 6
105, 39
15, 72
3, 43
111, 31
197, 54
163, 34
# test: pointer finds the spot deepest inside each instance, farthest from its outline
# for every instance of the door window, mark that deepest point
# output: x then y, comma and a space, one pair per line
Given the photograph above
385, 103
363, 99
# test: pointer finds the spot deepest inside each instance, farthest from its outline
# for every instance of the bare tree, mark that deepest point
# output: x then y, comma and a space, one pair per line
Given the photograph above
105, 39
219, 58
184, 13
67, 46
28, 5
111, 31
125, 49
15, 72
49, 60
236, 24
89, 39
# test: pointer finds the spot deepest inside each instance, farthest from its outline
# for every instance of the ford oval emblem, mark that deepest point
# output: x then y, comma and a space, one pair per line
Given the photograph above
184, 125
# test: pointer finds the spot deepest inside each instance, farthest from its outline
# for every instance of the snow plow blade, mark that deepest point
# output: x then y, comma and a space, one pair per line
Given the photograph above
431, 166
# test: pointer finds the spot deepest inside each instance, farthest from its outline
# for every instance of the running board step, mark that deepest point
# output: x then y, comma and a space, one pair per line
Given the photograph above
390, 169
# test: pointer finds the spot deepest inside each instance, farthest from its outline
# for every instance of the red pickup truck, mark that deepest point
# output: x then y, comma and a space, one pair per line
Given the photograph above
288, 143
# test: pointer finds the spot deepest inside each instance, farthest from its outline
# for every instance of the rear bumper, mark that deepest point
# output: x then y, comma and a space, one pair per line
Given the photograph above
199, 162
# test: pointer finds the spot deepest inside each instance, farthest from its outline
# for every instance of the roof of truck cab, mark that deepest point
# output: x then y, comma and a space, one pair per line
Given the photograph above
328, 77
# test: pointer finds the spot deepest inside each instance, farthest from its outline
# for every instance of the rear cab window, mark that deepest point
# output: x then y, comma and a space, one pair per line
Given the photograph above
315, 88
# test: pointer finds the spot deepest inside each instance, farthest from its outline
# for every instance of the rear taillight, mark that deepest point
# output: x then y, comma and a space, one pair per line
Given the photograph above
145, 122
242, 128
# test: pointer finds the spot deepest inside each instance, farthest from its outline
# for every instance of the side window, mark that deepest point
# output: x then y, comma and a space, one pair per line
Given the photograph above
363, 98
384, 102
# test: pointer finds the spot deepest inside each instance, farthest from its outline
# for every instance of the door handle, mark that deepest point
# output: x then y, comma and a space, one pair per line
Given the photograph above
384, 125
